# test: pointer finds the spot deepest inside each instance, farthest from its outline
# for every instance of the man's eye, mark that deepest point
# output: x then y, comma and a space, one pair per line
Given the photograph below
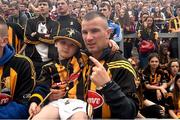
84, 32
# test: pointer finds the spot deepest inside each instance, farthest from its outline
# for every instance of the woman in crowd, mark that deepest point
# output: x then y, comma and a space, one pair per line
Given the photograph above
148, 109
172, 70
154, 80
164, 55
148, 33
173, 100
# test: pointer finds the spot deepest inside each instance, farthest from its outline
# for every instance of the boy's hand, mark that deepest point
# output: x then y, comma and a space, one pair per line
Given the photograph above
56, 94
34, 109
99, 75
114, 46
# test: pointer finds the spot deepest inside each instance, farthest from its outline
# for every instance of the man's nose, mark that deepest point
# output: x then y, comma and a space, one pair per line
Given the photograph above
89, 36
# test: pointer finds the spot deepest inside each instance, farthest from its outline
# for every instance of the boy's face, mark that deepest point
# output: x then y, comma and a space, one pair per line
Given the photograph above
105, 11
43, 7
66, 48
62, 7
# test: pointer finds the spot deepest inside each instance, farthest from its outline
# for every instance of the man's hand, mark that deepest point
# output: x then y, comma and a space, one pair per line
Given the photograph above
47, 36
33, 34
56, 94
34, 109
99, 75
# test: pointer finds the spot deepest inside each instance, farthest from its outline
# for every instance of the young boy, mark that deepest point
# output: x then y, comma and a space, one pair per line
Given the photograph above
62, 76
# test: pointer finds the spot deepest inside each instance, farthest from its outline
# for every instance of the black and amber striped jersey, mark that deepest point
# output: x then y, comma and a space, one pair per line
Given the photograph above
158, 78
174, 24
18, 78
117, 99
63, 75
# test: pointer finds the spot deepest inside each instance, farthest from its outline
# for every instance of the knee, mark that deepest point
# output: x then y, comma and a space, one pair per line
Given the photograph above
79, 115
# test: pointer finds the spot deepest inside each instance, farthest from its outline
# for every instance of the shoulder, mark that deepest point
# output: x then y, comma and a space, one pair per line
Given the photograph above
20, 59
21, 63
118, 62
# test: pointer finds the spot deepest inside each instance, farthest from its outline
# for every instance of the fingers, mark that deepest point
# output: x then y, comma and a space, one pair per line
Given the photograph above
96, 62
33, 109
56, 94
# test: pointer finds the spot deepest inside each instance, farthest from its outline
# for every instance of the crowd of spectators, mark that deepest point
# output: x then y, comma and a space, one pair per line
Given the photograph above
156, 67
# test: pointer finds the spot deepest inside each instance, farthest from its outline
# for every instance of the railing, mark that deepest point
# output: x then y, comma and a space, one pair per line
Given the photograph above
161, 35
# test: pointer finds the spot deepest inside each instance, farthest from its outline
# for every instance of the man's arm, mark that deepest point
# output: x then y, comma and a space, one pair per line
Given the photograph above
122, 105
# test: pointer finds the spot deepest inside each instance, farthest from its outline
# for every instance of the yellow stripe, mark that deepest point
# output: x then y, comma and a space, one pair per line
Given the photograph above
124, 64
1, 72
10, 37
175, 23
33, 73
13, 79
16, 44
38, 96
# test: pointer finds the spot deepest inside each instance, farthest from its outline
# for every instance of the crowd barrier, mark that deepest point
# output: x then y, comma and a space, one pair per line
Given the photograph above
161, 35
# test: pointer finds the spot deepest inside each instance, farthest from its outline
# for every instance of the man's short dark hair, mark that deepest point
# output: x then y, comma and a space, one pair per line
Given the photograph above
48, 1
103, 4
67, 1
93, 14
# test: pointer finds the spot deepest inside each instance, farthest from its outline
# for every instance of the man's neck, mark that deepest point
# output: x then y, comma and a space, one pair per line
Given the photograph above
45, 15
97, 55
64, 14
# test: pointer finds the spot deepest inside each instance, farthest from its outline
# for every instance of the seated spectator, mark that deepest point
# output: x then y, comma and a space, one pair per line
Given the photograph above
154, 80
108, 76
15, 34
17, 77
164, 55
58, 76
147, 108
172, 69
174, 98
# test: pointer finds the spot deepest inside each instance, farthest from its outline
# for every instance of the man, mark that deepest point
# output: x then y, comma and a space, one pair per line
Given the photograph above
17, 78
16, 15
15, 33
39, 33
109, 82
64, 18
105, 9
